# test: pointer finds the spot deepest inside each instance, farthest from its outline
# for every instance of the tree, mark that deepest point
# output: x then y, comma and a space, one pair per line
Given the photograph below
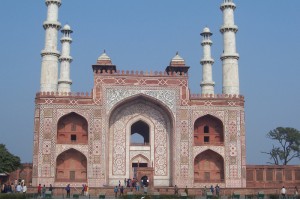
288, 145
8, 161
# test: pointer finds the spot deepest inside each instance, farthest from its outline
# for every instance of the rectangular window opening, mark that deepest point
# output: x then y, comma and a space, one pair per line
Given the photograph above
206, 139
73, 138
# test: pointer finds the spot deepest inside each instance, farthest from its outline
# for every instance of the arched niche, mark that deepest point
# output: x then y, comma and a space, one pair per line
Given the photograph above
208, 167
208, 130
71, 166
72, 129
140, 133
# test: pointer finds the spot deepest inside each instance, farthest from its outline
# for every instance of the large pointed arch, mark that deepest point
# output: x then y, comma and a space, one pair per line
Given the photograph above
160, 121
209, 167
71, 166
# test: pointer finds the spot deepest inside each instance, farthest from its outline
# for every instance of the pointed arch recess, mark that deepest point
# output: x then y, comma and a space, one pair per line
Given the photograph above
71, 166
209, 167
208, 130
72, 128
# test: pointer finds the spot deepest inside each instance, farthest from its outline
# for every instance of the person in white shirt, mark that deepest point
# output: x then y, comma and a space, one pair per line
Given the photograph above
24, 188
283, 192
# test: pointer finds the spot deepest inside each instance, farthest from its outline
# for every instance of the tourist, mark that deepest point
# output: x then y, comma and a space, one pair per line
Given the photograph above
296, 193
3, 186
283, 192
119, 183
9, 188
86, 190
12, 187
40, 190
24, 189
217, 190
121, 191
212, 190
145, 189
125, 181
50, 189
204, 190
82, 190
175, 190
186, 191
116, 190
137, 186
19, 188
44, 192
68, 189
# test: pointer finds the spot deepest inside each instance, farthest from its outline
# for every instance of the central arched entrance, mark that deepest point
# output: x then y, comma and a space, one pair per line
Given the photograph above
149, 121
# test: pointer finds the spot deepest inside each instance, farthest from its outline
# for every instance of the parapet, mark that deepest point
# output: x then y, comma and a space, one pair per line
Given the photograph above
138, 73
64, 94
216, 96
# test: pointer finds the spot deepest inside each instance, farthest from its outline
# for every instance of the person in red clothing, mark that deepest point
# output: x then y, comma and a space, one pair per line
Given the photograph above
40, 190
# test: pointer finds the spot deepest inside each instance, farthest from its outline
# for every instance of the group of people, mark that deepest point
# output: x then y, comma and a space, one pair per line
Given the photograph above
42, 190
131, 184
17, 187
283, 192
85, 190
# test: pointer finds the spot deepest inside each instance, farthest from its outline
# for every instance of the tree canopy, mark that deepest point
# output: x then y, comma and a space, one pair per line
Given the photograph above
8, 161
287, 147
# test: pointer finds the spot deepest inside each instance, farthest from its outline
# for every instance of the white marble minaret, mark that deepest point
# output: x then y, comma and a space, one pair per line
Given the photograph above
50, 54
229, 57
64, 83
207, 84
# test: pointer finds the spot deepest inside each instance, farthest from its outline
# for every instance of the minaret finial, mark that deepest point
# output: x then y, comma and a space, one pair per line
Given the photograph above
104, 51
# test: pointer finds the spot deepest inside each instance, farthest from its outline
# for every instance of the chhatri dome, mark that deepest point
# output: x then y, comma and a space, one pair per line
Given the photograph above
177, 60
104, 59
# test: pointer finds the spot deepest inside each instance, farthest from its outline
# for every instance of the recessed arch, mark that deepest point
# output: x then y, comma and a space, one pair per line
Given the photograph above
140, 128
208, 130
141, 109
208, 167
71, 166
72, 128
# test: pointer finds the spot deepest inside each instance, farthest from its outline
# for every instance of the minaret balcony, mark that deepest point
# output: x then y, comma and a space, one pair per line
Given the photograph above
52, 24
231, 55
207, 61
206, 42
66, 39
57, 2
226, 5
50, 52
227, 28
65, 58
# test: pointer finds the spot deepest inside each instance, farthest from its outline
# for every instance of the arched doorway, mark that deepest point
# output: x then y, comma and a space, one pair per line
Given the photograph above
208, 130
150, 121
139, 134
72, 129
71, 166
209, 167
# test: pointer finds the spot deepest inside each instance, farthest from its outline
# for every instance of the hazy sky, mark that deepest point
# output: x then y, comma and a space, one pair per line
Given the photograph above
145, 35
